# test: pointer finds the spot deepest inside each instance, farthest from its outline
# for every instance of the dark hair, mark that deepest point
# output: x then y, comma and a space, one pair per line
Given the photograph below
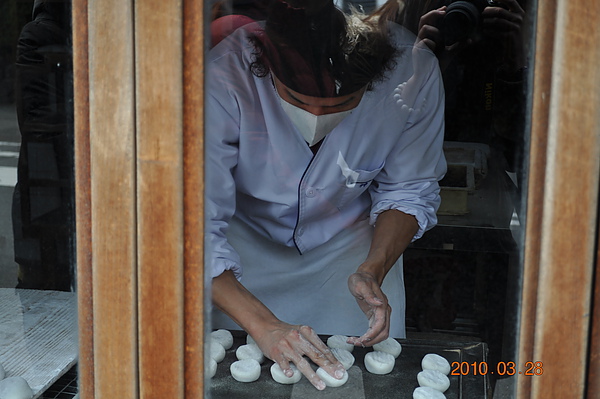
322, 53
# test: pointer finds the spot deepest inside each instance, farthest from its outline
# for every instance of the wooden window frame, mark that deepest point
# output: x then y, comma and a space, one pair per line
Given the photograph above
139, 187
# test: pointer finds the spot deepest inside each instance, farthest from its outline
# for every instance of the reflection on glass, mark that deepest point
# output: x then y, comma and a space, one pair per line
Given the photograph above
301, 156
463, 278
37, 300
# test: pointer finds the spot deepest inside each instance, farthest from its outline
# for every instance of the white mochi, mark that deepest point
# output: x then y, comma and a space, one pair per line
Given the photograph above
331, 381
223, 337
390, 346
377, 362
247, 370
250, 340
212, 368
433, 361
339, 341
427, 393
249, 351
15, 388
2, 372
280, 377
344, 357
217, 352
433, 379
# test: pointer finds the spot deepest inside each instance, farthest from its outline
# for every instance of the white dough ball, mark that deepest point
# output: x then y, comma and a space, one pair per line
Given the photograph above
280, 377
379, 362
217, 352
250, 340
223, 337
345, 357
427, 393
247, 370
2, 372
249, 351
390, 346
339, 341
433, 379
15, 388
212, 368
331, 381
433, 361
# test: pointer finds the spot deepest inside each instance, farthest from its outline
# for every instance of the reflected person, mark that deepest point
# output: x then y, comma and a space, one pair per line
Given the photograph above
323, 156
42, 210
484, 65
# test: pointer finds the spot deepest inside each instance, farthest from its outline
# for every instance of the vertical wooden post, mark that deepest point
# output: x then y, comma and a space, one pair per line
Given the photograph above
561, 233
83, 199
139, 137
159, 120
112, 198
193, 161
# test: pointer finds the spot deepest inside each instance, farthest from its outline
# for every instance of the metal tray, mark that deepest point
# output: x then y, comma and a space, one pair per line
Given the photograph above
400, 383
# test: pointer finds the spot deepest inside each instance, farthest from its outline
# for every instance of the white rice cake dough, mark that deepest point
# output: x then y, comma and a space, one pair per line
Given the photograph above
390, 346
15, 388
211, 370
249, 351
332, 381
433, 361
217, 352
247, 370
339, 341
377, 362
344, 357
427, 393
433, 379
280, 377
223, 337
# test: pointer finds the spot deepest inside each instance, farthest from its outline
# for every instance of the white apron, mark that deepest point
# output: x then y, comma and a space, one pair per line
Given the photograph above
312, 289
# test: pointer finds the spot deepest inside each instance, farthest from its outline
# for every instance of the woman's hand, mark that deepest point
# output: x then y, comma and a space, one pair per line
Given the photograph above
432, 36
373, 302
284, 343
429, 33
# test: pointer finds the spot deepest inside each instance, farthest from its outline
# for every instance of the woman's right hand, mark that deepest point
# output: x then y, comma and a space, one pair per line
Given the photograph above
286, 343
430, 35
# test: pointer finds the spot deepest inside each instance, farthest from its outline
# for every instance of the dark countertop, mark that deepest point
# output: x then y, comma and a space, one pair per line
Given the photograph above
400, 383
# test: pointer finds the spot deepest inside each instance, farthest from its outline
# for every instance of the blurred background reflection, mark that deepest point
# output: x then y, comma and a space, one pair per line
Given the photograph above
38, 343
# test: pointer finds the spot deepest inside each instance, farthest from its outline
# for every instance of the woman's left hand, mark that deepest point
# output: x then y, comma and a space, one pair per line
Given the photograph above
373, 302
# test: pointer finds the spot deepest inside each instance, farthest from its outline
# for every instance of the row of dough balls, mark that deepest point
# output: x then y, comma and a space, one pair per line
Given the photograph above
247, 368
14, 387
380, 361
433, 380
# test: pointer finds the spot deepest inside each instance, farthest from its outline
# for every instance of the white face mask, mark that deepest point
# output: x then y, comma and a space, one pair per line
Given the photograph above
312, 127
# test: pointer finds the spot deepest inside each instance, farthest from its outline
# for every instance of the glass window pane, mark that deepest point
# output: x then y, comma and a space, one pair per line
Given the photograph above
287, 115
38, 346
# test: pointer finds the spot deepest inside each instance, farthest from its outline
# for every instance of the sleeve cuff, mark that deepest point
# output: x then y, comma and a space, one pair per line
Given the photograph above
426, 220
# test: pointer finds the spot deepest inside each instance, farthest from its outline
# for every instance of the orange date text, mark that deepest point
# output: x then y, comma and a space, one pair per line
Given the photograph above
501, 368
